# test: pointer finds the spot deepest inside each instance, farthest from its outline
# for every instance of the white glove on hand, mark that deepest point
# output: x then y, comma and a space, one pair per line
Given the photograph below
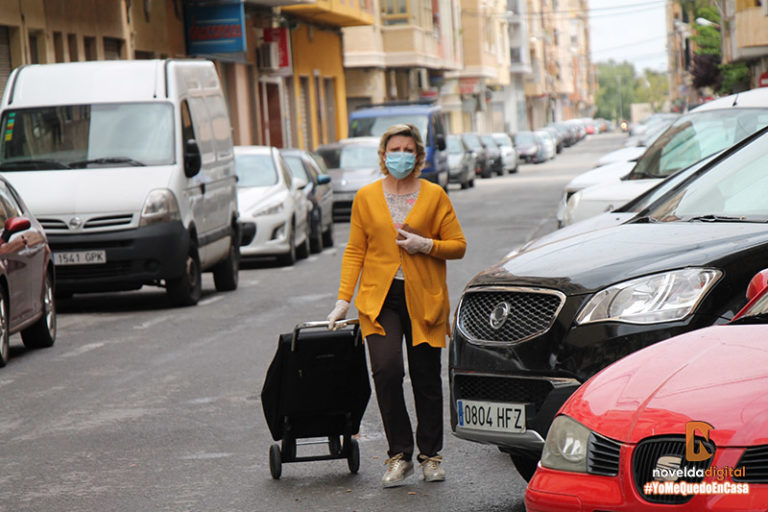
414, 243
339, 313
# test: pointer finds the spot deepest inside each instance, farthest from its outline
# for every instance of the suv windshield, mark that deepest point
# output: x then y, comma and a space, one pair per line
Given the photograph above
352, 156
453, 144
100, 135
376, 125
732, 190
695, 136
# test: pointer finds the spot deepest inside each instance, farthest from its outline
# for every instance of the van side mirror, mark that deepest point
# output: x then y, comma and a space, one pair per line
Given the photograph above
299, 183
440, 140
192, 159
14, 225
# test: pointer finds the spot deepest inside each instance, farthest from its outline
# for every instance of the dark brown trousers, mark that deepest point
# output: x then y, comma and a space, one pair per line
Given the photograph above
387, 368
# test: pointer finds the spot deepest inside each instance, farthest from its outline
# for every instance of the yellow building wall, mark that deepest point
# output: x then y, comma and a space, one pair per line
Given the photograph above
751, 27
318, 52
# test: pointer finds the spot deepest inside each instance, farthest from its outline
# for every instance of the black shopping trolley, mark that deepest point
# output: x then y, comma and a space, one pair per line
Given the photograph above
316, 386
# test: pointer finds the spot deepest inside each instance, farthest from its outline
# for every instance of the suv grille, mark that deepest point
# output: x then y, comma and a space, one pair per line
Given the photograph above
646, 458
755, 462
530, 313
501, 389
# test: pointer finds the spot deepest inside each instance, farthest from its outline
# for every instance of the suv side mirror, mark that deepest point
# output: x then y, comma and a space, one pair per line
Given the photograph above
440, 140
192, 159
323, 179
299, 183
14, 225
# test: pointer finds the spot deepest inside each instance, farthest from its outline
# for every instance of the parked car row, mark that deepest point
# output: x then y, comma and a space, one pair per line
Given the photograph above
531, 330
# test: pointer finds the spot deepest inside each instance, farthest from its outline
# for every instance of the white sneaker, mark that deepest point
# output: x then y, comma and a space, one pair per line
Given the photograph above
397, 471
432, 469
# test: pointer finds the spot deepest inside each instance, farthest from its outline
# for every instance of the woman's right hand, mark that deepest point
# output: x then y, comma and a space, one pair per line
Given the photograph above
339, 313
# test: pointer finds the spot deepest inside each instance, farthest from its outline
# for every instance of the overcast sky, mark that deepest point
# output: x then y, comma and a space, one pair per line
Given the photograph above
629, 30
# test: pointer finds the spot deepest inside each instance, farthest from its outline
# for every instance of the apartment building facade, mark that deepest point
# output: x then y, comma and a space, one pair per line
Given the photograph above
744, 29
284, 87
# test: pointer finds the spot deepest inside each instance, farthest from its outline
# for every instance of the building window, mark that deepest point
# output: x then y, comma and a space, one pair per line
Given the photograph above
36, 48
72, 44
58, 47
113, 48
395, 12
89, 44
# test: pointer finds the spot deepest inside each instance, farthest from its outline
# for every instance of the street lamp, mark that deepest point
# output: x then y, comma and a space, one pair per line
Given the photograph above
707, 23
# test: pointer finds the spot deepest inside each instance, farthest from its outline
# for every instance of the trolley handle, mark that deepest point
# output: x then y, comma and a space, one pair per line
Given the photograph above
340, 324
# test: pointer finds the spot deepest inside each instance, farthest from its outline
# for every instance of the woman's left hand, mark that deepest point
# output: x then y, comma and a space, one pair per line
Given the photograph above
414, 243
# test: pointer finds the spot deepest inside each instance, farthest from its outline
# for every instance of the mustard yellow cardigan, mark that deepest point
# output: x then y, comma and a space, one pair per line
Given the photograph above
373, 256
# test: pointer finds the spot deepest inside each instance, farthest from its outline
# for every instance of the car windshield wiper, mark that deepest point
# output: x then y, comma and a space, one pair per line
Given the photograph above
108, 160
719, 218
37, 165
760, 318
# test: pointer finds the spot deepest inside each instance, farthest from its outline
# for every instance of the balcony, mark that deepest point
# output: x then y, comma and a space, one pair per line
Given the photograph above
337, 13
410, 46
274, 3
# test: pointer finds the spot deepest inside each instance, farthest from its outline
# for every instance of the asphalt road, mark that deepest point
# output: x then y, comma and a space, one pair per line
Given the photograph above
142, 407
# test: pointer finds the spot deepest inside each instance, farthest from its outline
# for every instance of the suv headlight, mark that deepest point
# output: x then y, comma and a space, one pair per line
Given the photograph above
566, 446
664, 297
160, 206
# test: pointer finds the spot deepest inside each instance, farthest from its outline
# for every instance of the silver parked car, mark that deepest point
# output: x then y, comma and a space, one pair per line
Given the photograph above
318, 192
462, 162
508, 151
352, 164
272, 200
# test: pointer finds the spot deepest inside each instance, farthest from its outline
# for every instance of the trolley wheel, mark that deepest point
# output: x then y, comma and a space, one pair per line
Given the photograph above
275, 462
334, 445
353, 457
289, 449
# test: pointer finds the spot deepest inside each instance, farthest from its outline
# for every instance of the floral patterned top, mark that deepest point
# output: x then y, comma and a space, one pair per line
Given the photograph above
400, 206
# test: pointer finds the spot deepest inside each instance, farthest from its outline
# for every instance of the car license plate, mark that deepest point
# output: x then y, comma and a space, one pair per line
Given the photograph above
80, 258
496, 417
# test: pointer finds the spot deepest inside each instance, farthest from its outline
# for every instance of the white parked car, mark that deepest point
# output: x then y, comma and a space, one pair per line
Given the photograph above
270, 198
703, 131
508, 151
627, 154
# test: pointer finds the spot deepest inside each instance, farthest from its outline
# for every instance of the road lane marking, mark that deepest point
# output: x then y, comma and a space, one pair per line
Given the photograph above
210, 300
150, 323
83, 349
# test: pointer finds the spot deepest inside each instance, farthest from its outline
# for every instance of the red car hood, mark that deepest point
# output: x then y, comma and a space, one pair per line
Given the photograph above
718, 375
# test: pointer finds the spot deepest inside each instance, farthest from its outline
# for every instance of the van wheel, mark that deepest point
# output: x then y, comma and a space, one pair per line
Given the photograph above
328, 235
42, 334
289, 258
225, 273
5, 348
186, 290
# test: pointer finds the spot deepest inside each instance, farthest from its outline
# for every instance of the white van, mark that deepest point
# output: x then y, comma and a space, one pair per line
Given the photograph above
129, 167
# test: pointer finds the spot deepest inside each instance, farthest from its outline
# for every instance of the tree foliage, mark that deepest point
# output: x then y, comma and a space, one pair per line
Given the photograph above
619, 87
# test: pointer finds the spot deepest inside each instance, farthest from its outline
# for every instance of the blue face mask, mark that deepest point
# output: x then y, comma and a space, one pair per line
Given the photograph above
400, 164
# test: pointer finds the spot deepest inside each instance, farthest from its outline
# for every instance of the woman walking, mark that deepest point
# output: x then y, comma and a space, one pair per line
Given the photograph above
402, 231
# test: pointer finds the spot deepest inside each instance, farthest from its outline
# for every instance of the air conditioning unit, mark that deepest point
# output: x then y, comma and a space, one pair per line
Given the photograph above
267, 58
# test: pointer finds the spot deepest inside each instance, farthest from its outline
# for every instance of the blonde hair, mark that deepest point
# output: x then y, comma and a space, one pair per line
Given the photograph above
406, 130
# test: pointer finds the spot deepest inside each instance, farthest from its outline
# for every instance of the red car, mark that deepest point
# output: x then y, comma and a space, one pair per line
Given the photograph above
26, 277
679, 425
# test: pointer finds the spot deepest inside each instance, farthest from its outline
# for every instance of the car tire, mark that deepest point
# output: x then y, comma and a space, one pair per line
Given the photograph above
328, 235
302, 251
42, 334
5, 348
471, 182
525, 465
487, 173
226, 272
187, 289
465, 184
316, 242
289, 258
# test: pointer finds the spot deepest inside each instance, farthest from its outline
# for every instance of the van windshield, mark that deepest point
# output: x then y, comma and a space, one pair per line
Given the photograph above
376, 125
87, 136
